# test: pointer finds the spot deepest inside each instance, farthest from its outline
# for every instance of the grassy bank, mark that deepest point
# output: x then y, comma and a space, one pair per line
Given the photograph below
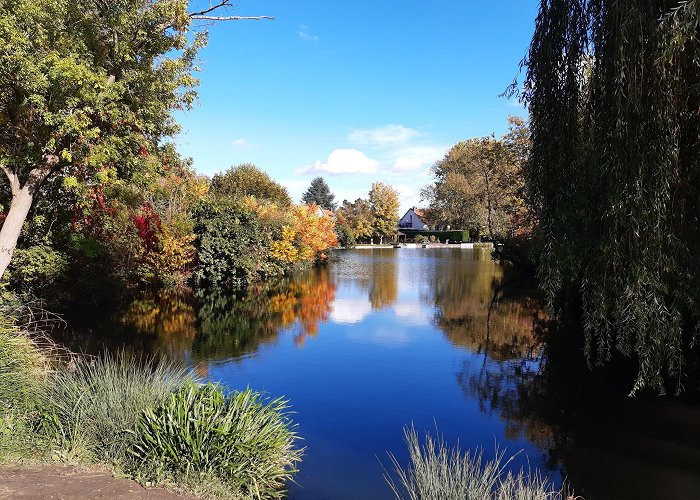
438, 472
148, 420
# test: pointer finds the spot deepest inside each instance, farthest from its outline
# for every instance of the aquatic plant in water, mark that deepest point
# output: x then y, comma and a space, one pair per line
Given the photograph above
438, 472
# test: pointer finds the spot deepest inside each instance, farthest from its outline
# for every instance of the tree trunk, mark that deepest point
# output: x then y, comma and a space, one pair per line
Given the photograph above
11, 227
489, 203
22, 198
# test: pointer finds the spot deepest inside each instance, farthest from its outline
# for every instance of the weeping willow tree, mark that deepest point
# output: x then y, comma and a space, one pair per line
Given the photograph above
613, 89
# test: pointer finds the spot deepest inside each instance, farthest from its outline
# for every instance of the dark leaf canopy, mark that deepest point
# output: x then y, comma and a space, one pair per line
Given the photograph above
613, 89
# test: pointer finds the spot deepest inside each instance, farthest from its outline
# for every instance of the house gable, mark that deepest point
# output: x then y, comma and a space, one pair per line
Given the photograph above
413, 219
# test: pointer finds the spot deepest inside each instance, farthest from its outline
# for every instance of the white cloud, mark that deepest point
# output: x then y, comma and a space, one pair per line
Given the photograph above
295, 188
241, 143
383, 136
414, 313
409, 196
411, 159
305, 35
343, 161
349, 311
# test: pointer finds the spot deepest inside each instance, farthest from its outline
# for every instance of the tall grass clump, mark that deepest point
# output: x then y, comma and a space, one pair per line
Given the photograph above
20, 367
238, 439
438, 472
90, 407
23, 368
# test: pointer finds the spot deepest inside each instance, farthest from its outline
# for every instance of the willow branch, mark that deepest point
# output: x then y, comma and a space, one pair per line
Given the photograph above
230, 18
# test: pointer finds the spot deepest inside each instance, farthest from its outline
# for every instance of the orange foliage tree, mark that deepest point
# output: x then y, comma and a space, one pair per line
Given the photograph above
306, 236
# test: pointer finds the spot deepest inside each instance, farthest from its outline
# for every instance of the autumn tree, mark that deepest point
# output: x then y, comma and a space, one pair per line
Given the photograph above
384, 201
306, 237
614, 175
479, 184
87, 89
319, 194
245, 180
357, 217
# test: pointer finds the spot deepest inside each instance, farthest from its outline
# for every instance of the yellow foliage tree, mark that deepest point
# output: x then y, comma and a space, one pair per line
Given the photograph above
315, 231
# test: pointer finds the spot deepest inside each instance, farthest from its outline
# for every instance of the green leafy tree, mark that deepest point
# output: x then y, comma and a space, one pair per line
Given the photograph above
319, 194
357, 218
87, 91
233, 247
248, 180
614, 176
384, 201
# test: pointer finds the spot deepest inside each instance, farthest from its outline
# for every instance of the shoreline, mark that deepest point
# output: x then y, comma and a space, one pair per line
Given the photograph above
476, 245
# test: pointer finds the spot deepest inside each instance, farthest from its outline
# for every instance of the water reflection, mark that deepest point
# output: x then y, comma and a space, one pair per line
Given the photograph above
380, 338
606, 445
477, 307
216, 327
170, 319
491, 310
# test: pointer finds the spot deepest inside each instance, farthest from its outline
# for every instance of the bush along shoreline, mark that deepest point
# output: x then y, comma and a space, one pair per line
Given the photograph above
145, 419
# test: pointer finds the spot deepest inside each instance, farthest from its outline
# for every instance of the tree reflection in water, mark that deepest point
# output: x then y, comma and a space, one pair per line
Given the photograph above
608, 446
487, 308
216, 326
384, 283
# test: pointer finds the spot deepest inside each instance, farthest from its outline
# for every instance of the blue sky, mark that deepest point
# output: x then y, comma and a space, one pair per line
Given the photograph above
356, 92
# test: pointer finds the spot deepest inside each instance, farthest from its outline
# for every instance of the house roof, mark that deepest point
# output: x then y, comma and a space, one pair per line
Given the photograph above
322, 212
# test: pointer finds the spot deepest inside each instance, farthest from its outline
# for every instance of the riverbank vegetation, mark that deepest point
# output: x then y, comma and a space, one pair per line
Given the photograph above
145, 419
479, 186
614, 176
438, 472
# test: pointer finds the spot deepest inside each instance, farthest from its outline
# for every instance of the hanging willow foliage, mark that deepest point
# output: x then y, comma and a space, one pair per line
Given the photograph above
613, 89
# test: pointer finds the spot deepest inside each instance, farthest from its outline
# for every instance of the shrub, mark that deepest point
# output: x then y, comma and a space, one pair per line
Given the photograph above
202, 431
36, 268
90, 409
233, 246
457, 236
437, 472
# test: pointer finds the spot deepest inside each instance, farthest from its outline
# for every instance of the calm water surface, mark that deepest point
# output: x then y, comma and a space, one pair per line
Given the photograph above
436, 338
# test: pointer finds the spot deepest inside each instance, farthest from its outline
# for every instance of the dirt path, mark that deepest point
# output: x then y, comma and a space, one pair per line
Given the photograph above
64, 483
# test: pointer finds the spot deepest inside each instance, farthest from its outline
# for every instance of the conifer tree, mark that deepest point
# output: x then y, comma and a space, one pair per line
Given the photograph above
320, 194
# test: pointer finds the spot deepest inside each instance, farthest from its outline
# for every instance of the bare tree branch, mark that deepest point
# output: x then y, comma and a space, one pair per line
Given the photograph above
231, 18
223, 4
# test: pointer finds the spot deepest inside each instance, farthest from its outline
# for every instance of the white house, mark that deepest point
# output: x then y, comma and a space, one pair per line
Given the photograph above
413, 219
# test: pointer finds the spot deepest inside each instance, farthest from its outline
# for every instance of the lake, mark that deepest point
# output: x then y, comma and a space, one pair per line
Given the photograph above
446, 340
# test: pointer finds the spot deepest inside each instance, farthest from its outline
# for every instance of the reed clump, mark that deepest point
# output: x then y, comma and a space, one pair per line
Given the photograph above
439, 472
